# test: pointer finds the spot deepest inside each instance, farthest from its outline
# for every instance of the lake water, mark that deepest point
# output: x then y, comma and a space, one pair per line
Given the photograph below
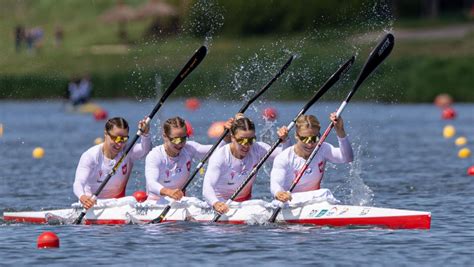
402, 161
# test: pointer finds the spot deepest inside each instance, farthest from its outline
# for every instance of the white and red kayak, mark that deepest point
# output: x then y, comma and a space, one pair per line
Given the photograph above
313, 208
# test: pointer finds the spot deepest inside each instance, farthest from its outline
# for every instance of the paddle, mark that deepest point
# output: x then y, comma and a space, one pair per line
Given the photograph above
193, 62
376, 57
329, 83
160, 218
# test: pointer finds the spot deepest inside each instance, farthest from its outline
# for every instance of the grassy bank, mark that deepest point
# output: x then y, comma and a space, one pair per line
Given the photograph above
415, 72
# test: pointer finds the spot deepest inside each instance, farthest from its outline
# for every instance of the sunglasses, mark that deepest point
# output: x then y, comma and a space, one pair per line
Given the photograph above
118, 139
178, 140
309, 139
246, 141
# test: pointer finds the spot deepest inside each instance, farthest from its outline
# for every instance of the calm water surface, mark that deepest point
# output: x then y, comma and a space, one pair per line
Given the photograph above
402, 161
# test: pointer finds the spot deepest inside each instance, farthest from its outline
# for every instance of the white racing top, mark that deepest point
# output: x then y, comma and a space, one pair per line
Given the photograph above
225, 173
93, 167
162, 170
287, 165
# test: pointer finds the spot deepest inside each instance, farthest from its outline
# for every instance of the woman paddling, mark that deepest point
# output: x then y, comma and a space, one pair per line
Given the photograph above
99, 160
168, 166
230, 164
288, 163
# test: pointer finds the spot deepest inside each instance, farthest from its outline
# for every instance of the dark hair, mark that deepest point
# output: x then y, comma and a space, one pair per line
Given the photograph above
242, 123
117, 122
176, 122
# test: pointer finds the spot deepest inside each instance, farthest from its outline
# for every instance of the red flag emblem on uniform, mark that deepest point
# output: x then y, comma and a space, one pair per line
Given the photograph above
188, 165
124, 169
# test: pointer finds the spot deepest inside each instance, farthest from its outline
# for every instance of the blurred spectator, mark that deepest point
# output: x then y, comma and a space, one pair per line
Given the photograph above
79, 90
29, 40
34, 39
19, 37
58, 36
38, 34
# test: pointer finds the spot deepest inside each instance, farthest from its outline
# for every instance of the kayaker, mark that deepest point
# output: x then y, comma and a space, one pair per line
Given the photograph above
99, 160
230, 164
168, 166
288, 163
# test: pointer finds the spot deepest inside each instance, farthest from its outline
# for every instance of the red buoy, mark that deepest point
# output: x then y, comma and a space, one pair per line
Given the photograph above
270, 114
448, 113
470, 171
140, 196
100, 114
189, 128
48, 240
192, 103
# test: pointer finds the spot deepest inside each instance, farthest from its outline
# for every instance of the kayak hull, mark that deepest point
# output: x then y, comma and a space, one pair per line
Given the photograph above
310, 210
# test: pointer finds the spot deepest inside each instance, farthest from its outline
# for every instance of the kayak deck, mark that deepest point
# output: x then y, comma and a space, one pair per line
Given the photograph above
310, 208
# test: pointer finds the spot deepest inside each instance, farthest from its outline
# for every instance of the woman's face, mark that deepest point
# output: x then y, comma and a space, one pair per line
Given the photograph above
175, 140
115, 139
242, 141
307, 139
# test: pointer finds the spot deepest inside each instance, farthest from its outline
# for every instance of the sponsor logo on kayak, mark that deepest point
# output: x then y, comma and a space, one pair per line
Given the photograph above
344, 210
142, 210
365, 211
321, 213
313, 213
332, 211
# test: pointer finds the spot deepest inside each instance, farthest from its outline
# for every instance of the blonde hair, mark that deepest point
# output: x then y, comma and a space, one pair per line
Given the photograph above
307, 122
241, 123
176, 122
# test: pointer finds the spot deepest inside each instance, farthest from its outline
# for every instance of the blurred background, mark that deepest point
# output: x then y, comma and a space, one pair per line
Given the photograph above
129, 48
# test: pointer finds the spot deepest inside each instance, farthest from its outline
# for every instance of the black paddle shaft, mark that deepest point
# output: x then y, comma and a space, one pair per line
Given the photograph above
328, 84
376, 57
193, 62
160, 218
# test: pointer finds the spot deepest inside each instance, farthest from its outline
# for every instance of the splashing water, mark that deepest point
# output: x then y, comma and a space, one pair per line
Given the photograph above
354, 190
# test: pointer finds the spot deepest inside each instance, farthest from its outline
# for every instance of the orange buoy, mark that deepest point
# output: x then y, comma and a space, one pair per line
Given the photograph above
216, 129
48, 240
448, 113
189, 128
470, 171
443, 101
140, 196
270, 114
192, 103
100, 114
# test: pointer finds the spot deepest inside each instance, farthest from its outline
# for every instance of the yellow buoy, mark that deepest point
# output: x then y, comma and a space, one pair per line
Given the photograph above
98, 140
464, 153
461, 141
1, 130
449, 131
38, 153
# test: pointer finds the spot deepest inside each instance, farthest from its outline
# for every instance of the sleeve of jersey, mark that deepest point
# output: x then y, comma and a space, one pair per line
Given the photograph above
211, 177
341, 154
83, 171
277, 176
152, 173
267, 147
199, 150
141, 150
